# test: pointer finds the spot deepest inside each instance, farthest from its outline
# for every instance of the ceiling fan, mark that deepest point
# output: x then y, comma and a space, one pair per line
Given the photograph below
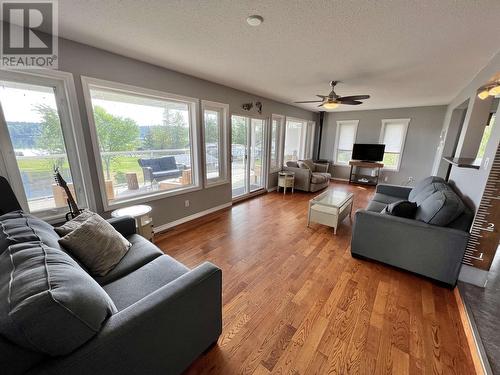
332, 100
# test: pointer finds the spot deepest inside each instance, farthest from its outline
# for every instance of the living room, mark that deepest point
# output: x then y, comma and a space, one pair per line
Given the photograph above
225, 187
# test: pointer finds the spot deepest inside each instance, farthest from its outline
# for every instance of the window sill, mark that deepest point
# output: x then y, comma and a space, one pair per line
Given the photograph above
209, 184
148, 198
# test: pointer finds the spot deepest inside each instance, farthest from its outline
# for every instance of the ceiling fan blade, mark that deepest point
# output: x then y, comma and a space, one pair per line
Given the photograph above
353, 97
310, 101
351, 102
322, 96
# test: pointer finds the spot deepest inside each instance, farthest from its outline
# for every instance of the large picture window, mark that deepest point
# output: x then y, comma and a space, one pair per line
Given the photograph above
216, 137
145, 141
277, 124
393, 135
36, 131
344, 141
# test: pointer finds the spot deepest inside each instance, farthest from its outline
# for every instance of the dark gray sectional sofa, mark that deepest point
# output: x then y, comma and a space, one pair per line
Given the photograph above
433, 244
149, 315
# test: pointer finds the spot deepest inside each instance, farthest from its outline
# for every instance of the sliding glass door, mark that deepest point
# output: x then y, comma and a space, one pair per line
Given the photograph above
247, 155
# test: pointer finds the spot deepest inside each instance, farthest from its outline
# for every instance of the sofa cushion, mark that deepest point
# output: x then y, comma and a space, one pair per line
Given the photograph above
320, 178
170, 173
144, 281
97, 245
421, 185
48, 303
307, 164
74, 223
401, 208
386, 199
441, 208
141, 253
375, 206
167, 163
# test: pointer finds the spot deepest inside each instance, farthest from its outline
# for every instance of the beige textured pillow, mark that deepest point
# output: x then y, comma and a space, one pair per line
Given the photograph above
71, 225
97, 245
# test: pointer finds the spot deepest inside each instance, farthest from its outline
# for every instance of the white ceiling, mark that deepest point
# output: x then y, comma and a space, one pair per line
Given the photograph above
401, 52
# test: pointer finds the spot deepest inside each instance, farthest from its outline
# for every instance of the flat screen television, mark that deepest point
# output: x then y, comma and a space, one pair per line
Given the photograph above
368, 152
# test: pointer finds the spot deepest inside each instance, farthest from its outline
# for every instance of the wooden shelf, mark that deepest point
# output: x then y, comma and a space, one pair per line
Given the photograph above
464, 162
354, 177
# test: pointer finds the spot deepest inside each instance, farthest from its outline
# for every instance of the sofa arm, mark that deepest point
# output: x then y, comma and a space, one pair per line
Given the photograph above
394, 190
428, 250
322, 167
302, 177
148, 173
125, 225
160, 334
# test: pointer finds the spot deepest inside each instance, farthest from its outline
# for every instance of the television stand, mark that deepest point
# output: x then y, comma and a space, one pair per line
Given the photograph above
357, 177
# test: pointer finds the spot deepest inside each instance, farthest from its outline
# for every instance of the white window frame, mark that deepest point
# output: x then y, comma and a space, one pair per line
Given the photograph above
279, 144
311, 131
193, 107
403, 121
337, 134
223, 110
71, 126
303, 137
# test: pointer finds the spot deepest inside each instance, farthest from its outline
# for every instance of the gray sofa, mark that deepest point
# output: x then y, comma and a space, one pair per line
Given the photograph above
160, 169
309, 176
433, 244
149, 315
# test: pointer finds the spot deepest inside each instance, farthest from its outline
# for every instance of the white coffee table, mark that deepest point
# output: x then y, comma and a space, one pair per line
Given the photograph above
330, 208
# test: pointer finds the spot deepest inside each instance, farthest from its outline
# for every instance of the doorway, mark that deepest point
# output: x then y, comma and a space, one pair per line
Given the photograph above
247, 155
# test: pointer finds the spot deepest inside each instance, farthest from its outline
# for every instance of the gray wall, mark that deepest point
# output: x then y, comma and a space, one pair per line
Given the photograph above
421, 140
83, 60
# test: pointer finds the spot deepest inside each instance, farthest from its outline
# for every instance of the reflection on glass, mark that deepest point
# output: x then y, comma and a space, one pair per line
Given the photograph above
212, 152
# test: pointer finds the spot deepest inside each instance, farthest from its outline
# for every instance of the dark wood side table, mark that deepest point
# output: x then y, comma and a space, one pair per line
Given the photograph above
364, 179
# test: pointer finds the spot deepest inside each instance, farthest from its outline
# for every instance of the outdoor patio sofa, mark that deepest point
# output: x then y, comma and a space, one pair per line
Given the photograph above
161, 168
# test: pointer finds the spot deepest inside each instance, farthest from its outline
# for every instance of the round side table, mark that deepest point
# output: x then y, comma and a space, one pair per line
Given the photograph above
286, 180
143, 220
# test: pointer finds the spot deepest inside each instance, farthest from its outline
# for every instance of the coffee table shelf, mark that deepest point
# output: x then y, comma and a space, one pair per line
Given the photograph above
330, 208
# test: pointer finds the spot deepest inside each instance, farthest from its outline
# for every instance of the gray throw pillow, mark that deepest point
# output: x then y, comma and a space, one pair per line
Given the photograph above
71, 225
97, 245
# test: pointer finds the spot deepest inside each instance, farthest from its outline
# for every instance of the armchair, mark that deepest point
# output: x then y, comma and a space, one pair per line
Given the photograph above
309, 176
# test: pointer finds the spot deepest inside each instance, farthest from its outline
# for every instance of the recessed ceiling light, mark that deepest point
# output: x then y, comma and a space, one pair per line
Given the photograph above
255, 20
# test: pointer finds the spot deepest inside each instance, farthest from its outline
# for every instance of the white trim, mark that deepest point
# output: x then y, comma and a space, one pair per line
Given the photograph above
144, 92
337, 132
224, 143
270, 190
280, 144
164, 227
402, 121
340, 179
71, 127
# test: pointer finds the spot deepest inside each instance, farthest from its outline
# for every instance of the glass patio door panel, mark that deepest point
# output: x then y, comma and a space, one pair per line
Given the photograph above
32, 117
256, 154
247, 155
239, 155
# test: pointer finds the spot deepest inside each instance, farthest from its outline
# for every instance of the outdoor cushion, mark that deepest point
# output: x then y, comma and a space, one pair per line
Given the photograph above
144, 281
421, 185
141, 253
48, 303
384, 198
167, 163
441, 208
173, 173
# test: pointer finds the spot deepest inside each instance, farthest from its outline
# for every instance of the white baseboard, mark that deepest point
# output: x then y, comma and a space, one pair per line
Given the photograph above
340, 179
197, 215
272, 189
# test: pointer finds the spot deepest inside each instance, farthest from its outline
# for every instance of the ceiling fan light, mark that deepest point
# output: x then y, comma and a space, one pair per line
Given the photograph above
330, 105
483, 94
495, 90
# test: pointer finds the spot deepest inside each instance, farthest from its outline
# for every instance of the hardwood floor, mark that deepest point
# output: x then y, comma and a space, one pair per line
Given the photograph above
296, 302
